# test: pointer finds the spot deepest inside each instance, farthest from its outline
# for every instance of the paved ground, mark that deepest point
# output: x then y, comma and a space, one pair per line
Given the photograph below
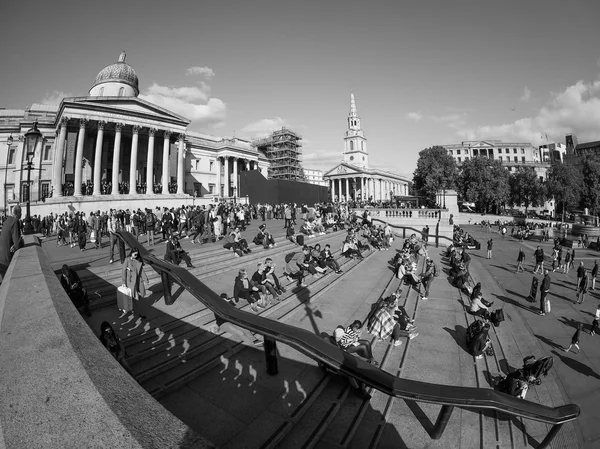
437, 355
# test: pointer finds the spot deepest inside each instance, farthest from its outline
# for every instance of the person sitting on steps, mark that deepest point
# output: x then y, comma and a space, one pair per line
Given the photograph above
175, 253
243, 289
349, 340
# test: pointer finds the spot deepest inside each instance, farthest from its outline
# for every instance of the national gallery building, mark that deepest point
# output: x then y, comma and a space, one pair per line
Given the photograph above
352, 179
113, 146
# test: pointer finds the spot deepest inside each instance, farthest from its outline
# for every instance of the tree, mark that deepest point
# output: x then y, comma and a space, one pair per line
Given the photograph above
484, 182
564, 184
591, 184
436, 170
526, 189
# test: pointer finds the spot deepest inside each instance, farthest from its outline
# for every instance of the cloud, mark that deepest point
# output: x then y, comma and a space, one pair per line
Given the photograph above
526, 94
263, 127
55, 97
206, 72
454, 121
323, 160
598, 62
576, 110
192, 102
416, 116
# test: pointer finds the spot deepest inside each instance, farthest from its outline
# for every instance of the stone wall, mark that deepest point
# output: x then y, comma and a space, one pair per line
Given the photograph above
60, 387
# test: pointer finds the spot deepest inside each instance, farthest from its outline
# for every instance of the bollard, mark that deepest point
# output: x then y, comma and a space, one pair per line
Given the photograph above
166, 284
437, 234
271, 356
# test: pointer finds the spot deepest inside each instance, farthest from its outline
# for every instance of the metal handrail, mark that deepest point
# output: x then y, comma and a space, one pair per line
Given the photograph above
340, 361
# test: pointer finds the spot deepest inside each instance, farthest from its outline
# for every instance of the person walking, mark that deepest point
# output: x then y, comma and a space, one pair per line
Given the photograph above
490, 244
520, 260
575, 339
595, 322
582, 286
572, 259
538, 255
431, 271
580, 271
544, 290
594, 274
567, 262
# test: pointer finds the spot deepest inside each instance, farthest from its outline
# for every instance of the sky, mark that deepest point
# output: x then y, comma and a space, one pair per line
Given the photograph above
423, 73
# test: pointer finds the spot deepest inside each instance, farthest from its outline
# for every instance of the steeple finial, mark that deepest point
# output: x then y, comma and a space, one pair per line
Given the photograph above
122, 56
353, 112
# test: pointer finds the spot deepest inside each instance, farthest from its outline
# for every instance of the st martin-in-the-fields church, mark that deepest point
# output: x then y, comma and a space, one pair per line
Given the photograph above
352, 178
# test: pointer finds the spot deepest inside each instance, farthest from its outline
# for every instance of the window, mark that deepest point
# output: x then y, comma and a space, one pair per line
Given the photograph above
522, 150
507, 151
457, 151
11, 156
458, 159
523, 159
197, 163
121, 90
475, 152
24, 192
541, 179
516, 159
45, 189
362, 145
197, 189
500, 157
515, 150
9, 191
47, 152
211, 167
211, 189
351, 145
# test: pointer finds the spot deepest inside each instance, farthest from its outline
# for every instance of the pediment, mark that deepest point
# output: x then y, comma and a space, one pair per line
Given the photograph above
343, 169
120, 105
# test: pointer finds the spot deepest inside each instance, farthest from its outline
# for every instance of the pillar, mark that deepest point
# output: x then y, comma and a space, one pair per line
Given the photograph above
247, 164
235, 177
150, 162
332, 181
217, 192
180, 163
363, 187
79, 156
226, 186
133, 161
116, 159
59, 149
347, 189
98, 159
165, 163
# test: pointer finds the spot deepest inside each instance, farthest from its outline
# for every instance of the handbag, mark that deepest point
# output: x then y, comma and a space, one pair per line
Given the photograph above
93, 236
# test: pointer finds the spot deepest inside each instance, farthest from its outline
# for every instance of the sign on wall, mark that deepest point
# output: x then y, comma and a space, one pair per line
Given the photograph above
70, 159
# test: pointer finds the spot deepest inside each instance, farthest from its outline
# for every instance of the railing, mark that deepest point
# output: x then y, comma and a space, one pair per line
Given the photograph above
344, 363
411, 214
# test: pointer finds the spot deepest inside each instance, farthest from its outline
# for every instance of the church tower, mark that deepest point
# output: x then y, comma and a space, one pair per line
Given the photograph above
355, 143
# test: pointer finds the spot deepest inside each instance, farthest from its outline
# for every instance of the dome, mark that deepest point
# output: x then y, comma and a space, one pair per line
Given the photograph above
118, 74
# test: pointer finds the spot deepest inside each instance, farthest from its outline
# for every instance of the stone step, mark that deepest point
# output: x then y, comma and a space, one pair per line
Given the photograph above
173, 373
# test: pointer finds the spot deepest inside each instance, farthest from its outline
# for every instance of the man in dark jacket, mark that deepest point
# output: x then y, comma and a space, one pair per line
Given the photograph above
70, 281
538, 255
175, 253
10, 240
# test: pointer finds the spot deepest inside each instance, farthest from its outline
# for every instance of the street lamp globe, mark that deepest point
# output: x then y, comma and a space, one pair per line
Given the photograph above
32, 138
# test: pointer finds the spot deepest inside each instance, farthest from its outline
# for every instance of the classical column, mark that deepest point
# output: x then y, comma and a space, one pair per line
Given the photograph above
363, 187
226, 186
133, 161
180, 162
347, 189
79, 156
235, 177
217, 192
150, 162
59, 148
247, 164
98, 158
116, 159
165, 163
332, 181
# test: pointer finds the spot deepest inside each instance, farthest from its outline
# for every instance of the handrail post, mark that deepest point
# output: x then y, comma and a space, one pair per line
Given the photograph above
546, 443
271, 356
442, 421
166, 284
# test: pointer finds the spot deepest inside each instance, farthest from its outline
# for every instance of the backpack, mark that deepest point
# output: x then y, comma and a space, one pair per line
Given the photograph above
289, 257
497, 317
474, 328
149, 219
300, 240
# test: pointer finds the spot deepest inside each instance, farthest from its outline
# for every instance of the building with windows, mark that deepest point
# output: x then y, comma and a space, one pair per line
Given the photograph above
314, 176
353, 178
113, 146
553, 152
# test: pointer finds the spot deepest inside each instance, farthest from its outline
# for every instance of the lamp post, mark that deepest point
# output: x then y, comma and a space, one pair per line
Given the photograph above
32, 137
9, 143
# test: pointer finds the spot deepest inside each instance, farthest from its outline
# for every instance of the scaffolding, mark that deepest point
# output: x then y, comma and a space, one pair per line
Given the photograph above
283, 149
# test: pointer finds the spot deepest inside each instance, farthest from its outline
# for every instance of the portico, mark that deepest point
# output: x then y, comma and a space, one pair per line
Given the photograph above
348, 182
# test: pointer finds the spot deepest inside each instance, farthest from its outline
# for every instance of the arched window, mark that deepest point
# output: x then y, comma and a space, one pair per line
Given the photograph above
121, 90
102, 91
351, 145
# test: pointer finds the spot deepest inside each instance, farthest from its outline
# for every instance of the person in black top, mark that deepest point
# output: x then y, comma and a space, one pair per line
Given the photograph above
594, 274
112, 342
520, 260
70, 281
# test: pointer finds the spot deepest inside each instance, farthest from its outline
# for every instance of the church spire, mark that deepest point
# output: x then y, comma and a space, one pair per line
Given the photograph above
353, 117
353, 112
